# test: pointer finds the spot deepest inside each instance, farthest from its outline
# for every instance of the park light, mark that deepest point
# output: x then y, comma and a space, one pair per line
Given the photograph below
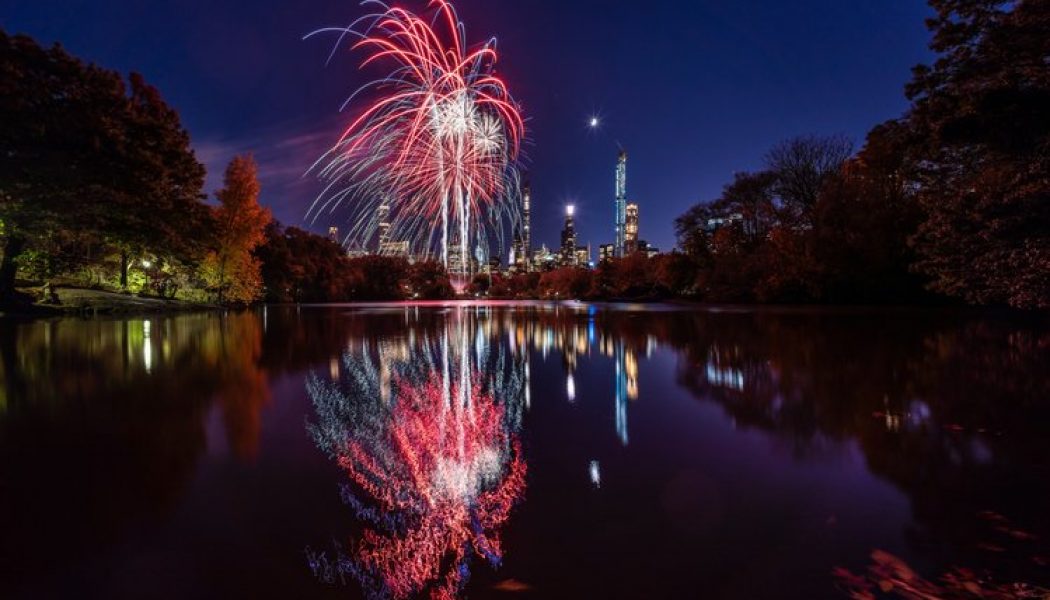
146, 263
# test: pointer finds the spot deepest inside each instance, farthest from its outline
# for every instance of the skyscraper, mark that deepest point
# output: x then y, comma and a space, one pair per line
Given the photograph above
383, 219
631, 229
333, 234
523, 236
621, 203
583, 256
568, 237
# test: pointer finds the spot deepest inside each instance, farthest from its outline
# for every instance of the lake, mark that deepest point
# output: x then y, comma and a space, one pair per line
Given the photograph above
518, 450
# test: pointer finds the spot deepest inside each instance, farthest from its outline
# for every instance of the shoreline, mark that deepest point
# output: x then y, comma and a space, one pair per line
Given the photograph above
88, 303
84, 302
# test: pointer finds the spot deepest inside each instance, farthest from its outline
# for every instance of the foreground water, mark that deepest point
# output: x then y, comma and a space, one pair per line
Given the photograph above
517, 450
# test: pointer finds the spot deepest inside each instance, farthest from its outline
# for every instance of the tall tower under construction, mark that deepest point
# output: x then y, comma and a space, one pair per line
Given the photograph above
621, 203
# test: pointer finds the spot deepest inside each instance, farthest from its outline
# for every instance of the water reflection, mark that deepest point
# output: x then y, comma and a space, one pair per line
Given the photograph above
430, 414
426, 428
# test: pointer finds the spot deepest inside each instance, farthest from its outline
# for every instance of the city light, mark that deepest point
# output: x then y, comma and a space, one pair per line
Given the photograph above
594, 122
570, 210
594, 470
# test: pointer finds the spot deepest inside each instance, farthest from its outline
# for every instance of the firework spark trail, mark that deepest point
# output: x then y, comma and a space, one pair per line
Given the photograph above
439, 142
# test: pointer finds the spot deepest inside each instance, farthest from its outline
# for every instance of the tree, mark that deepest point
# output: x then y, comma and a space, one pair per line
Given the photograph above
161, 208
801, 167
675, 274
566, 283
980, 125
84, 158
429, 280
299, 266
693, 232
864, 221
231, 271
749, 200
60, 117
379, 278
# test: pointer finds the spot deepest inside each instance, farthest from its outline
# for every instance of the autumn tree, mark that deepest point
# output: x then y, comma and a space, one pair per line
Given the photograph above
429, 280
980, 122
87, 161
299, 266
378, 278
864, 221
565, 283
230, 269
60, 116
161, 208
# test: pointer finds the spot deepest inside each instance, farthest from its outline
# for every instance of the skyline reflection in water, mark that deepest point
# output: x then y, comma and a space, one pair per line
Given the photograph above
742, 453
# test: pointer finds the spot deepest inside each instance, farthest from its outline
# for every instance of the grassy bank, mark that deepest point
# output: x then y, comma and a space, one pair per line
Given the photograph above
77, 301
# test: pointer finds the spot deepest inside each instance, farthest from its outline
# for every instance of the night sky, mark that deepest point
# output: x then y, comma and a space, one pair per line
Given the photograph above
693, 89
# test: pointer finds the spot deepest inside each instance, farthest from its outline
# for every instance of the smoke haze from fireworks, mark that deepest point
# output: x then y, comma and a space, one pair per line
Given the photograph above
438, 144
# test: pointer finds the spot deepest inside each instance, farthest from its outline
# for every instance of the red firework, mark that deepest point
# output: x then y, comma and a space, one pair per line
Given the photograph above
439, 142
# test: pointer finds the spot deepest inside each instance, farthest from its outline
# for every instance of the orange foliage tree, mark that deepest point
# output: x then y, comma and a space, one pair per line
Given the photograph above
231, 271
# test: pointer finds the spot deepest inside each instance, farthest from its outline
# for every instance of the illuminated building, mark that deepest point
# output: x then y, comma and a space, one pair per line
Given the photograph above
383, 220
621, 203
458, 264
583, 256
523, 236
720, 222
387, 246
606, 252
333, 234
398, 249
630, 235
568, 238
543, 259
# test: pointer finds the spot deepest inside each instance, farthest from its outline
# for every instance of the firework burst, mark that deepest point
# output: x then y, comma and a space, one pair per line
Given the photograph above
437, 145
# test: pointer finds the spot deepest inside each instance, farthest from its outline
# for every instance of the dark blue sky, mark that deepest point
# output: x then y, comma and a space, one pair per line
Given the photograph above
694, 89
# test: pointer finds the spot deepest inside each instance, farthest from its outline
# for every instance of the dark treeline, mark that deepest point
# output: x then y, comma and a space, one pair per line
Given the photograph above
99, 188
948, 203
298, 266
952, 199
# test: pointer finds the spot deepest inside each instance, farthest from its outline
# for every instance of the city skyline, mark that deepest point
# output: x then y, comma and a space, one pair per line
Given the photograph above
716, 93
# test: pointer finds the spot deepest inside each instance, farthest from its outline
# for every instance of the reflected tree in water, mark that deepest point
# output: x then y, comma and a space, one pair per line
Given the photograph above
108, 416
949, 410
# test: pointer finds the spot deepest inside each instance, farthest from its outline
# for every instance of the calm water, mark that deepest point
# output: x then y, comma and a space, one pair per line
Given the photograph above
517, 451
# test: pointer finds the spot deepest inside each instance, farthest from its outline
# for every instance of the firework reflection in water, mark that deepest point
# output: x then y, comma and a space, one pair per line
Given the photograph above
428, 437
